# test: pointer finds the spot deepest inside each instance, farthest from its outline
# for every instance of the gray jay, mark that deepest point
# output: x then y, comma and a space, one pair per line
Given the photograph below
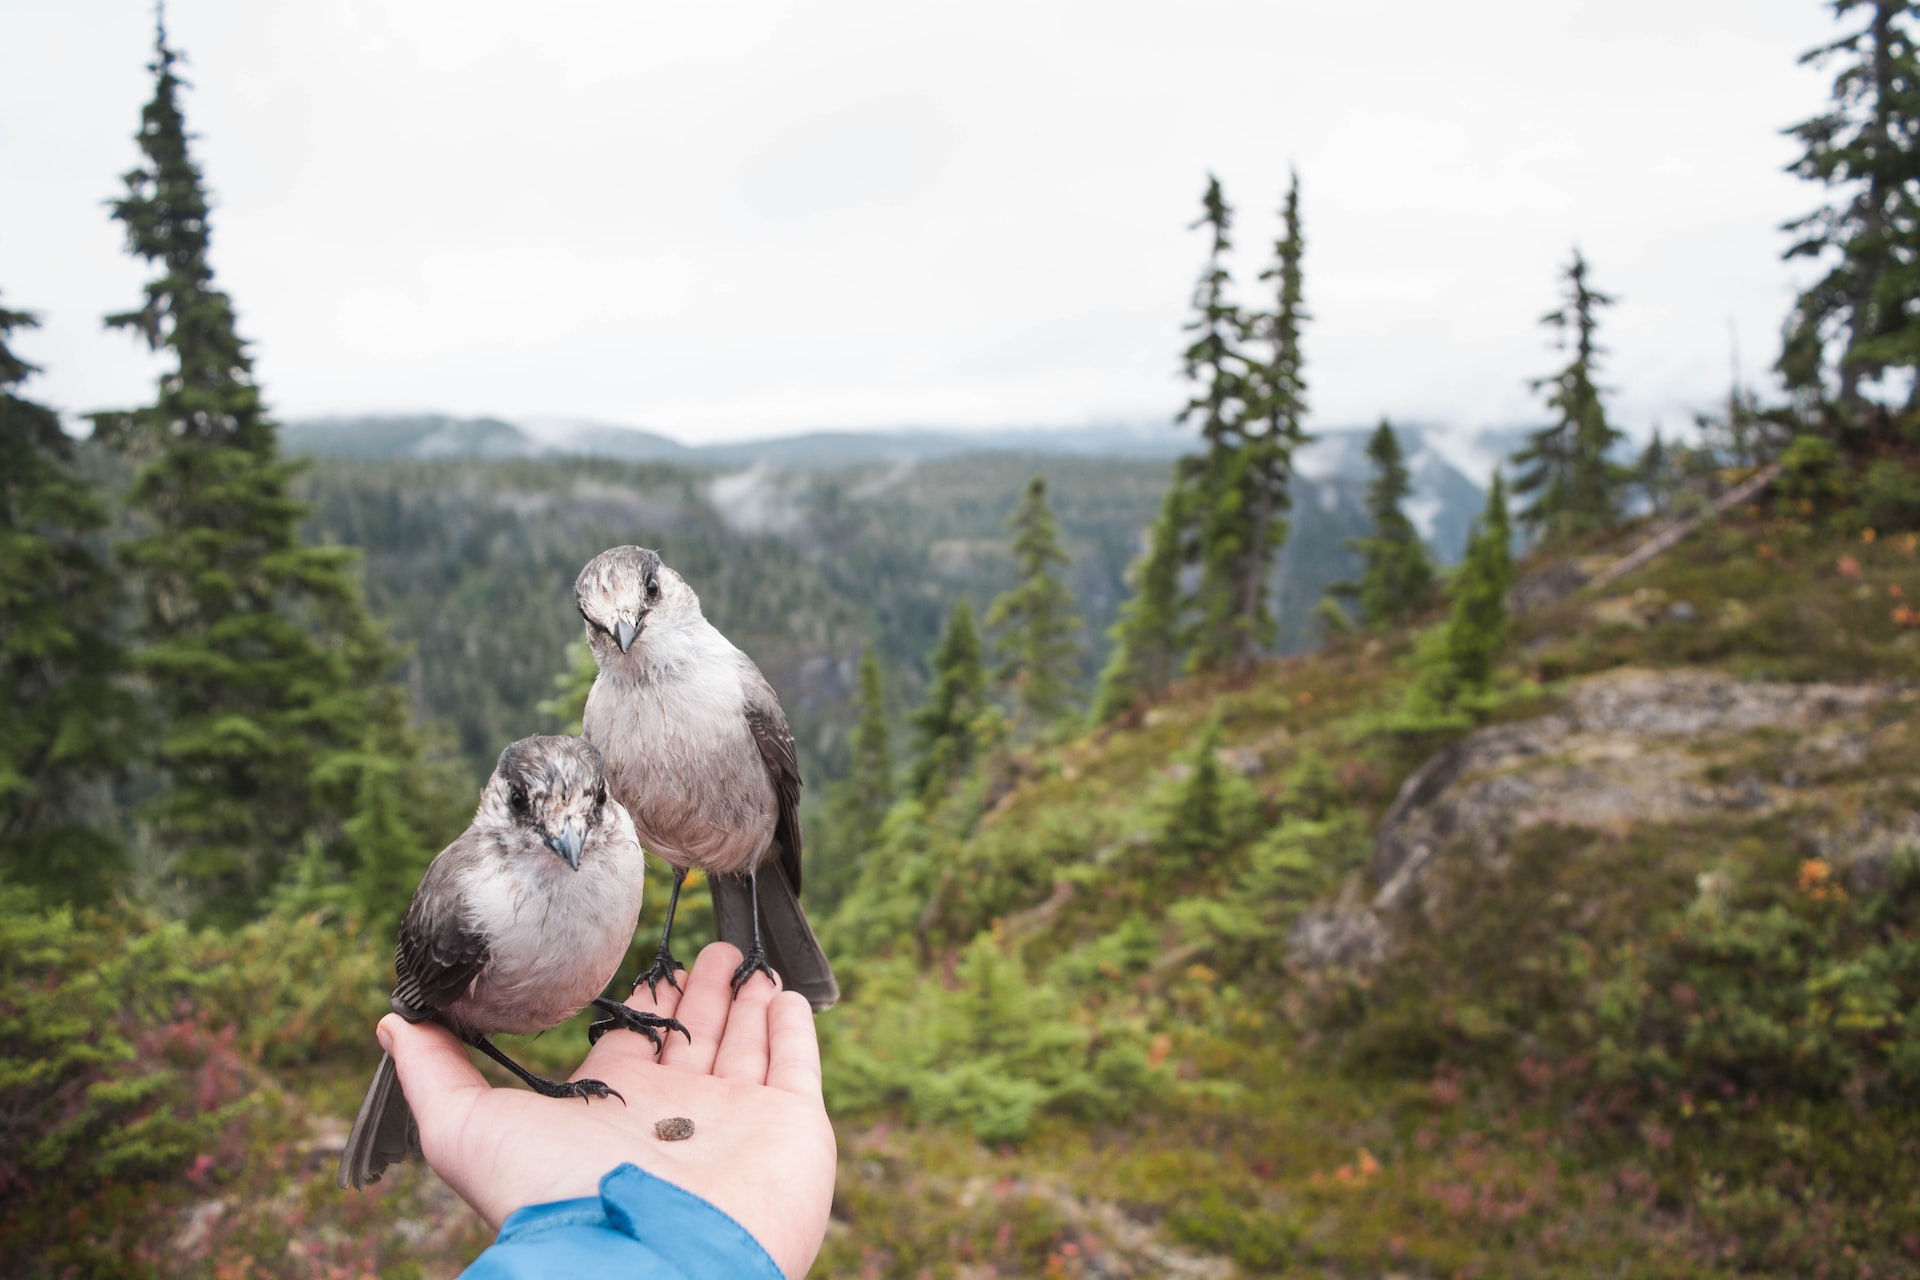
699, 751
517, 925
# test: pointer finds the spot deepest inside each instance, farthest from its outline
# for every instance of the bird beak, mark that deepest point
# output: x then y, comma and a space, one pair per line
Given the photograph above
568, 843
625, 633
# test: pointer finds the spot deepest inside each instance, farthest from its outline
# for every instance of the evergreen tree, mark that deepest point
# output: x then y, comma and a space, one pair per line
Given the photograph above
1397, 580
1565, 466
1862, 318
1477, 620
1146, 639
1212, 808
570, 688
857, 804
1040, 636
64, 719
263, 664
944, 729
1276, 408
1214, 363
1655, 473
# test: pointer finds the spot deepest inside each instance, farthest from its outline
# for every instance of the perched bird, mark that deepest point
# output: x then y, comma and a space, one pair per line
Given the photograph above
517, 925
699, 751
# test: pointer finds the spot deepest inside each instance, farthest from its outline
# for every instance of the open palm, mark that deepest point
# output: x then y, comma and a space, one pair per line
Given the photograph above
762, 1148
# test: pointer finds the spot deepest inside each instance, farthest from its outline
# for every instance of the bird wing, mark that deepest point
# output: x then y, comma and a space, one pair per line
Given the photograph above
439, 954
769, 725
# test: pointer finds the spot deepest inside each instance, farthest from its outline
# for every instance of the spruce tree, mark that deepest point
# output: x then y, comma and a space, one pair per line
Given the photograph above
1147, 636
858, 803
1195, 825
65, 720
944, 729
1655, 473
264, 667
1477, 619
1862, 318
1576, 489
1397, 579
1039, 640
1277, 406
1217, 368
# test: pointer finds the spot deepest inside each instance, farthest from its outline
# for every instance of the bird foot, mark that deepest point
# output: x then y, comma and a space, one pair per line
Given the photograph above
573, 1089
663, 969
756, 962
650, 1025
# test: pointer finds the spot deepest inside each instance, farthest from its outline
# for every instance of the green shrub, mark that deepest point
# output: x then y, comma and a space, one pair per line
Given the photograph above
1887, 497
109, 1068
991, 1053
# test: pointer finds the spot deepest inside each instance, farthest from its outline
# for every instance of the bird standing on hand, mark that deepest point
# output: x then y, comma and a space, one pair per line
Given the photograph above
517, 925
699, 751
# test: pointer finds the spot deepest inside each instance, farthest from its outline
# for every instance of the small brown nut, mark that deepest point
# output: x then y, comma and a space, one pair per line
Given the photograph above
673, 1129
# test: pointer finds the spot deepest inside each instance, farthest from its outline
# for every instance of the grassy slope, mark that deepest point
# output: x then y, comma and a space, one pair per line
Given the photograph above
1456, 1116
1208, 1110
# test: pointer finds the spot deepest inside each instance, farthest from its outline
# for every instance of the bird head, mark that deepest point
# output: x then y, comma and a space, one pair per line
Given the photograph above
552, 789
628, 598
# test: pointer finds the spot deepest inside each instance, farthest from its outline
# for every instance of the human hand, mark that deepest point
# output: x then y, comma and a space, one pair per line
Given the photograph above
762, 1149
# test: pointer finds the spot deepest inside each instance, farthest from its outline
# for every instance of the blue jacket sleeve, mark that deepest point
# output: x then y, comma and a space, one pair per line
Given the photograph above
637, 1226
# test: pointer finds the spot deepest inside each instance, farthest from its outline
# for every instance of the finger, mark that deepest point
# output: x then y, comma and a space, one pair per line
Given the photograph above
705, 1008
440, 1081
743, 1050
793, 1046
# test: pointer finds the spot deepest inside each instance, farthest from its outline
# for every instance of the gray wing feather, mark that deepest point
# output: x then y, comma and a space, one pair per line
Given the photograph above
792, 949
775, 740
383, 1133
439, 954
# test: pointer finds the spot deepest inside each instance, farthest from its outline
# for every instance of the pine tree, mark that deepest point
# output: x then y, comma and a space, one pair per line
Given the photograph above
1196, 824
1147, 636
944, 729
1565, 466
858, 803
1039, 635
1220, 511
1477, 620
1276, 392
1397, 579
1655, 473
1862, 318
265, 669
64, 719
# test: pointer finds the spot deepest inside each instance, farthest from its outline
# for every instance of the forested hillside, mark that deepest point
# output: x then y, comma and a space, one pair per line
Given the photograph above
472, 564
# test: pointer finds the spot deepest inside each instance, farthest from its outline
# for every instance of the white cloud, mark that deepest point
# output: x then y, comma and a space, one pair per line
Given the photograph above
719, 221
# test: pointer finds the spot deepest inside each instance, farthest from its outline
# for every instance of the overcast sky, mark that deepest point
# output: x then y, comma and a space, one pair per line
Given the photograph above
727, 220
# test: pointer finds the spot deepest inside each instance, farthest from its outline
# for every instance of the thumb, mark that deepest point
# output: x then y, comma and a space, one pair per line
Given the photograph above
440, 1081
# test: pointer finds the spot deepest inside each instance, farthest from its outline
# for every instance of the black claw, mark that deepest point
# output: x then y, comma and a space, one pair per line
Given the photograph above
576, 1089
664, 966
650, 1025
756, 962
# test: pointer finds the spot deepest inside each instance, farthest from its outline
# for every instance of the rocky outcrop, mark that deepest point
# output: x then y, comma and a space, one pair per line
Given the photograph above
1626, 746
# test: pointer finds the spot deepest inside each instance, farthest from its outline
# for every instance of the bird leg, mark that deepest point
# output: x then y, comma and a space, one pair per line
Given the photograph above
756, 959
543, 1086
649, 1025
663, 962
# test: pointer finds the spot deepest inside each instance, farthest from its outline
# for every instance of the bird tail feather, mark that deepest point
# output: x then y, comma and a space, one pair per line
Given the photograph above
792, 949
383, 1133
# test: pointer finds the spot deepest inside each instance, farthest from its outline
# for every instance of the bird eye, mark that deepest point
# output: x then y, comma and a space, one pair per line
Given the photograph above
653, 588
517, 797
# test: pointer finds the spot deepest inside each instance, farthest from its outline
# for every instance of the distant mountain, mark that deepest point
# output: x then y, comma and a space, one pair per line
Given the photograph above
421, 436
1446, 464
439, 436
